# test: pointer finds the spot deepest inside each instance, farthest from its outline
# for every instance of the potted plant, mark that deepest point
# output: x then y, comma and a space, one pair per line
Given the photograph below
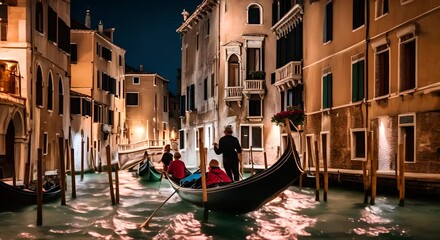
257, 75
293, 113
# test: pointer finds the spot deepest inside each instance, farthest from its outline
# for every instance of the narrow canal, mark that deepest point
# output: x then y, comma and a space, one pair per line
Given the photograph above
294, 215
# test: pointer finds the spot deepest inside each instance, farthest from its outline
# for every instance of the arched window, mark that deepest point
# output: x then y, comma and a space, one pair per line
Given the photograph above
233, 71
50, 93
39, 88
254, 14
60, 97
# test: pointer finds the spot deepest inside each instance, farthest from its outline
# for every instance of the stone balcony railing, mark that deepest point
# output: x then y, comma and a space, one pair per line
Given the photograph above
233, 94
288, 75
254, 87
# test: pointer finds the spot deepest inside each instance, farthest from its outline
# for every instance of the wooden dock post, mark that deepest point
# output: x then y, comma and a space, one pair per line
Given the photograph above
251, 156
372, 140
401, 175
324, 160
203, 172
39, 188
117, 182
82, 159
301, 176
365, 178
317, 170
265, 160
62, 170
72, 172
109, 171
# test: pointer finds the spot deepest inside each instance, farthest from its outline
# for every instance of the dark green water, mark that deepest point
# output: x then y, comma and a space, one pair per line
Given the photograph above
294, 215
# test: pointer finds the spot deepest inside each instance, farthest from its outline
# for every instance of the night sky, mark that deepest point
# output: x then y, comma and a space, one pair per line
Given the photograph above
146, 29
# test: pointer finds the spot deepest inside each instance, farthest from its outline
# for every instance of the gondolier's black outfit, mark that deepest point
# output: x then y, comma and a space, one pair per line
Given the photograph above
230, 147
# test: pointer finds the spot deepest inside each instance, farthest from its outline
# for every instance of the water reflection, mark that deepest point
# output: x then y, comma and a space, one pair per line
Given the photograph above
292, 215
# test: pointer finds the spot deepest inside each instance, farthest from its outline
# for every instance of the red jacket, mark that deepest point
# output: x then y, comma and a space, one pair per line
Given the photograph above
177, 169
216, 175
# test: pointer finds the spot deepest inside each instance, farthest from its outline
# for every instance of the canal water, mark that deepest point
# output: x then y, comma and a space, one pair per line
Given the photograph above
293, 215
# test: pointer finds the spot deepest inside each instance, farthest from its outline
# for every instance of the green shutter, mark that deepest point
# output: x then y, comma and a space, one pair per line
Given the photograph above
354, 82
361, 80
329, 90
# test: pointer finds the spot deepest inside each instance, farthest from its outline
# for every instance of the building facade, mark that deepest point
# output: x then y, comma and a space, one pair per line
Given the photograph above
97, 101
227, 57
34, 85
373, 74
147, 108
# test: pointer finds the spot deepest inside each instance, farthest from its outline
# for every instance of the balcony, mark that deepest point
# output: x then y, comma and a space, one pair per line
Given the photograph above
254, 87
288, 76
9, 77
288, 21
233, 94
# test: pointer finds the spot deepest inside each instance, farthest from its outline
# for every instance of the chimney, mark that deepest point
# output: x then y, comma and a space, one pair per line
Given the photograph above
87, 21
100, 27
141, 68
185, 15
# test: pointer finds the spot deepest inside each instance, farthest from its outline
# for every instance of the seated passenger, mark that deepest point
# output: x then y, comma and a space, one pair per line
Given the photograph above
176, 168
216, 175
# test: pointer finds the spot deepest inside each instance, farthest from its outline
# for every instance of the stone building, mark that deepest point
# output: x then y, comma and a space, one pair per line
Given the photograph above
97, 101
147, 110
34, 85
373, 71
227, 59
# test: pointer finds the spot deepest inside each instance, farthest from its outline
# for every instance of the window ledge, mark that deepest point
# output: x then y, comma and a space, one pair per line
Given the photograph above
407, 92
255, 119
383, 97
359, 159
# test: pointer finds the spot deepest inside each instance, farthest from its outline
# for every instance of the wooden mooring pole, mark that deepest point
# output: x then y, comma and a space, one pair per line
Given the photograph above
62, 170
251, 156
72, 172
401, 175
301, 176
372, 140
82, 160
324, 160
39, 188
109, 171
117, 182
317, 170
366, 182
265, 159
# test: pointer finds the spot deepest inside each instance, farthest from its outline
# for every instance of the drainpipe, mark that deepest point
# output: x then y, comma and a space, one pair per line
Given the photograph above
367, 41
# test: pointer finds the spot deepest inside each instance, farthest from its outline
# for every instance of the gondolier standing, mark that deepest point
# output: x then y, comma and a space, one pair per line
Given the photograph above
230, 147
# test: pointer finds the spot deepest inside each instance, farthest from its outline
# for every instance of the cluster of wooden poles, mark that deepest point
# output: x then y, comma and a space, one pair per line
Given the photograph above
369, 169
64, 152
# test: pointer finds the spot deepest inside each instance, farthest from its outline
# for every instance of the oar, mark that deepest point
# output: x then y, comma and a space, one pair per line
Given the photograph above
157, 209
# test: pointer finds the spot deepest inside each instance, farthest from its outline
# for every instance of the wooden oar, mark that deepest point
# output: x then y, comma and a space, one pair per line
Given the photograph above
145, 224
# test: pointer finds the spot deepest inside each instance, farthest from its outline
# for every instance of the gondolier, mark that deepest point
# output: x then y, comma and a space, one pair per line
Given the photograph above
230, 147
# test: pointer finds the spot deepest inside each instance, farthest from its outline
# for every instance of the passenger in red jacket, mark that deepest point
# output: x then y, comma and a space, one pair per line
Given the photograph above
216, 175
177, 168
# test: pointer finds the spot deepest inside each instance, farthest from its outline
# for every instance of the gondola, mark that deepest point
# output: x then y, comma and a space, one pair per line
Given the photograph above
148, 173
251, 193
14, 197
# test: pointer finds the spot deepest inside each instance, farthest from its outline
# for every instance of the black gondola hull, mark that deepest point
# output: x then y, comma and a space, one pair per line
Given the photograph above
251, 193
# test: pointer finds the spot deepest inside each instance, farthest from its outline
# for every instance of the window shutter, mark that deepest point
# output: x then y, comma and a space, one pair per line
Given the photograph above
354, 82
182, 108
361, 80
324, 92
193, 102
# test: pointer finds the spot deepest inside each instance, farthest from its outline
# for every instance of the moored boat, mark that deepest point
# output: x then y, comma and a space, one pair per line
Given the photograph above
12, 197
251, 193
148, 173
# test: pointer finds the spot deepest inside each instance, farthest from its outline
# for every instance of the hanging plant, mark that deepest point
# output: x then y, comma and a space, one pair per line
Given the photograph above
294, 114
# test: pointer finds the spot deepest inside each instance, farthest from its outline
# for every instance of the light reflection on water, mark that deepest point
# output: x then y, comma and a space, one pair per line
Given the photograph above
292, 215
